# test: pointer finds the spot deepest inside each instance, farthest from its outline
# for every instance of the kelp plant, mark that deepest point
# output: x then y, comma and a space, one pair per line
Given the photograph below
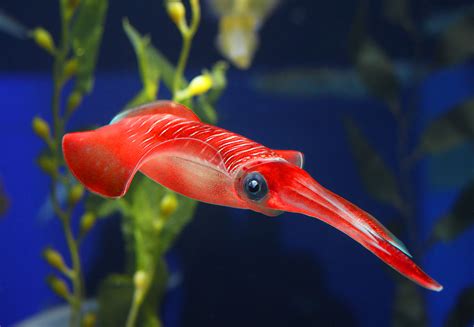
153, 216
74, 60
440, 137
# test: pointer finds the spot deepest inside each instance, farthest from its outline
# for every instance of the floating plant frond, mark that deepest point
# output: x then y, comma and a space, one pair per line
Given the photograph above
449, 130
379, 180
86, 35
377, 72
461, 314
409, 307
459, 219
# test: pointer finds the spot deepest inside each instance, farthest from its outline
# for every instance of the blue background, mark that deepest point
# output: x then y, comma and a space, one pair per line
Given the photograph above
237, 267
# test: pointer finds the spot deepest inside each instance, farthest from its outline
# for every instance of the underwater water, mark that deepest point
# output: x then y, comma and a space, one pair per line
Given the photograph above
233, 267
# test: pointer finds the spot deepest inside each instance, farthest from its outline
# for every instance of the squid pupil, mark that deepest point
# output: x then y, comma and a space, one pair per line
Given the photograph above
254, 186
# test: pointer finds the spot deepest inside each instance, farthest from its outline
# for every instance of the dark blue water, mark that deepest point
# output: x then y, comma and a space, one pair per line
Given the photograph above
237, 266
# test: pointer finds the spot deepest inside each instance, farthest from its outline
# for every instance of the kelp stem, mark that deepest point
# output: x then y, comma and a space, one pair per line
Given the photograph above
76, 277
183, 58
133, 313
58, 131
137, 300
187, 35
65, 217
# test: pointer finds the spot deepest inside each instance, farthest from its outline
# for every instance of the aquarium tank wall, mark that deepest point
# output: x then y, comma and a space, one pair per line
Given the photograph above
377, 95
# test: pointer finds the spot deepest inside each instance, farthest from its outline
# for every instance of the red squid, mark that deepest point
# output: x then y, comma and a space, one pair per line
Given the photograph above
168, 143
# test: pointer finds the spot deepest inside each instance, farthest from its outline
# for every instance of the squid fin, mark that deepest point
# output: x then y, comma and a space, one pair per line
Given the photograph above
105, 160
292, 156
97, 162
157, 107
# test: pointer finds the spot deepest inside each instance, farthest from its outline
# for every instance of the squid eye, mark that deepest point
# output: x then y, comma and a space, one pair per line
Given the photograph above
255, 186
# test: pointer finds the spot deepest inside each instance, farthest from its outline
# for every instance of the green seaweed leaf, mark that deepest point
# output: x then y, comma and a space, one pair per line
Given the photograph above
377, 72
140, 98
145, 199
219, 81
461, 217
378, 179
408, 307
167, 69
398, 12
104, 208
205, 105
203, 108
114, 297
147, 66
149, 234
152, 63
462, 313
177, 221
358, 32
86, 35
449, 130
455, 44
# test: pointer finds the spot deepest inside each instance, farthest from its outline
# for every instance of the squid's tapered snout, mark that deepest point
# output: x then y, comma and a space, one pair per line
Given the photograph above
291, 189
